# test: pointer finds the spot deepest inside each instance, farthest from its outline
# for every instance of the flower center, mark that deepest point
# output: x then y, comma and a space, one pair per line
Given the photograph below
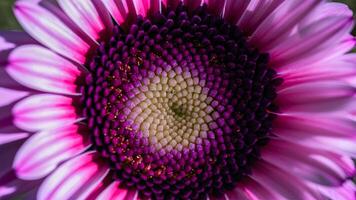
179, 104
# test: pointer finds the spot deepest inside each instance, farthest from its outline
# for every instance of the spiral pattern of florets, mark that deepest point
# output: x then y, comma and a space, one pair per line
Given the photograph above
179, 104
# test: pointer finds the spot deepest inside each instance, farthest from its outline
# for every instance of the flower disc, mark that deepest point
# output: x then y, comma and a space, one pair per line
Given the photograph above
179, 104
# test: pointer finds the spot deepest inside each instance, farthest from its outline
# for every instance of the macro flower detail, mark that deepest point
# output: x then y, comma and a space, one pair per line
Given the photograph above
171, 99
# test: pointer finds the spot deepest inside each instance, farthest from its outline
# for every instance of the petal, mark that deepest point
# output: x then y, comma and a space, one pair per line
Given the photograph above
44, 111
192, 4
75, 179
325, 10
51, 31
8, 41
255, 13
41, 69
113, 192
215, 7
315, 96
279, 24
344, 192
171, 3
346, 146
11, 39
313, 38
235, 9
145, 7
339, 68
11, 137
121, 10
256, 191
299, 127
9, 96
4, 191
43, 152
90, 15
315, 165
278, 180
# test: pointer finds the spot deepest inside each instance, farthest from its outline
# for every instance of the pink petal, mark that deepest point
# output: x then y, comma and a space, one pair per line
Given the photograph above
192, 4
216, 7
90, 15
278, 180
113, 192
121, 10
341, 67
4, 191
256, 12
256, 191
236, 193
171, 3
8, 41
11, 39
309, 163
9, 96
325, 10
279, 24
44, 111
75, 179
344, 192
345, 146
334, 51
315, 37
51, 31
299, 127
235, 9
315, 96
41, 69
10, 137
145, 7
43, 152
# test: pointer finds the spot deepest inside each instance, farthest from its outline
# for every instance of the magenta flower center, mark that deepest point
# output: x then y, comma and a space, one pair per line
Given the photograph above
179, 104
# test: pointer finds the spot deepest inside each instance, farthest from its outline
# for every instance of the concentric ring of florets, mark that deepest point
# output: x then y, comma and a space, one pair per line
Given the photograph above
179, 104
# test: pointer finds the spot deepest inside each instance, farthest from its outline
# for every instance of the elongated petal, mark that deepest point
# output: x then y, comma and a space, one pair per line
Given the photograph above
112, 192
44, 111
342, 67
12, 39
90, 15
301, 126
280, 24
279, 181
216, 7
321, 34
171, 3
344, 192
256, 191
235, 9
45, 150
75, 179
9, 96
41, 69
51, 31
121, 10
145, 7
326, 10
316, 96
10, 137
256, 12
312, 164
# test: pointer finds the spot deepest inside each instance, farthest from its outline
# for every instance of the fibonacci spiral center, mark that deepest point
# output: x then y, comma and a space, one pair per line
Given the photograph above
179, 104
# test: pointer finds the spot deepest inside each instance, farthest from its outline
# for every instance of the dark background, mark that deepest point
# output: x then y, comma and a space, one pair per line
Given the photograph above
8, 22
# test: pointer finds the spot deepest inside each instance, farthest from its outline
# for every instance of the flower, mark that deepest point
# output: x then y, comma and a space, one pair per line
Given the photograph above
150, 99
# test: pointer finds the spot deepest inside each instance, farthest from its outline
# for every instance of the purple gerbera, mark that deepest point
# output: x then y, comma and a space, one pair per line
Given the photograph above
171, 99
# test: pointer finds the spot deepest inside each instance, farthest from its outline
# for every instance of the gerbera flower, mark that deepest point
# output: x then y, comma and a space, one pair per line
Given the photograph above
150, 99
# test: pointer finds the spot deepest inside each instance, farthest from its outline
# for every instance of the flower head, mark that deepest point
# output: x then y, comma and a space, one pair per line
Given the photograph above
151, 99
